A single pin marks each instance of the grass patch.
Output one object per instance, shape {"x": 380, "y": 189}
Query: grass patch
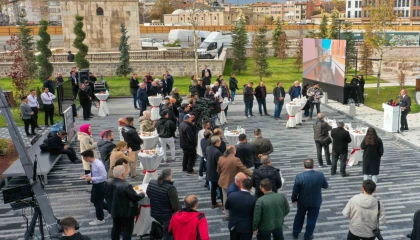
{"x": 385, "y": 94}
{"x": 368, "y": 79}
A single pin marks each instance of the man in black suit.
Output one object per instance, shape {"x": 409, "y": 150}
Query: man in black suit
{"x": 308, "y": 197}
{"x": 204, "y": 71}
{"x": 405, "y": 104}
{"x": 56, "y": 146}
{"x": 341, "y": 139}
{"x": 75, "y": 82}
{"x": 85, "y": 101}
{"x": 241, "y": 210}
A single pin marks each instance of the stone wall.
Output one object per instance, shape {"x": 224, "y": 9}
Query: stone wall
{"x": 178, "y": 67}
{"x": 102, "y": 31}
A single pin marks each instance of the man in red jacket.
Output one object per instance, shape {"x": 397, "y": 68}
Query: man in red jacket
{"x": 189, "y": 224}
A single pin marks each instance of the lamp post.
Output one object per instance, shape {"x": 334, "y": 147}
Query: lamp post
{"x": 339, "y": 27}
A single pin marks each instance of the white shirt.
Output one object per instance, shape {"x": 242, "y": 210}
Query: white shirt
{"x": 47, "y": 98}
{"x": 33, "y": 102}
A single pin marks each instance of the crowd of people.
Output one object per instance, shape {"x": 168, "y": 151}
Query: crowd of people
{"x": 241, "y": 178}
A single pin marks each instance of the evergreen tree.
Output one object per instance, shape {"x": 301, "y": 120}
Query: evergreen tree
{"x": 239, "y": 41}
{"x": 260, "y": 52}
{"x": 123, "y": 67}
{"x": 323, "y": 27}
{"x": 283, "y": 45}
{"x": 311, "y": 34}
{"x": 350, "y": 45}
{"x": 80, "y": 57}
{"x": 333, "y": 31}
{"x": 299, "y": 55}
{"x": 27, "y": 43}
{"x": 278, "y": 31}
{"x": 45, "y": 67}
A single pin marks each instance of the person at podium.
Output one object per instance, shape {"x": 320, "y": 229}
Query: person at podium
{"x": 405, "y": 103}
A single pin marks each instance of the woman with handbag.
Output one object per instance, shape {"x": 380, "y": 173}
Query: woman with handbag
{"x": 373, "y": 151}
{"x": 365, "y": 212}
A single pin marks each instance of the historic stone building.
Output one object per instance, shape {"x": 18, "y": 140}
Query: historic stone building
{"x": 102, "y": 23}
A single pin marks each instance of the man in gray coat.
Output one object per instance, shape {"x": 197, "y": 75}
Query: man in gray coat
{"x": 27, "y": 113}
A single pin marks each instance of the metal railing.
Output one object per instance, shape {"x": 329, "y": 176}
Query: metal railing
{"x": 115, "y": 56}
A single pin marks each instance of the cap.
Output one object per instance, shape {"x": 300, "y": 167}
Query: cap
{"x": 186, "y": 116}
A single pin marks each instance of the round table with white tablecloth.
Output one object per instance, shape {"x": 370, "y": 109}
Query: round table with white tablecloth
{"x": 299, "y": 115}
{"x": 143, "y": 221}
{"x": 232, "y": 137}
{"x": 155, "y": 102}
{"x": 149, "y": 142}
{"x": 355, "y": 154}
{"x": 150, "y": 162}
{"x": 103, "y": 106}
{"x": 222, "y": 116}
{"x": 292, "y": 109}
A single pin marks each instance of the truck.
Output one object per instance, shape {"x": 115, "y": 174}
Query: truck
{"x": 210, "y": 47}
{"x": 186, "y": 36}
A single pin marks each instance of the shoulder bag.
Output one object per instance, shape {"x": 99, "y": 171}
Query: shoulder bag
{"x": 377, "y": 231}
{"x": 326, "y": 140}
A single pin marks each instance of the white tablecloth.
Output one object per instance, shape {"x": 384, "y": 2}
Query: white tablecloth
{"x": 143, "y": 222}
{"x": 103, "y": 106}
{"x": 299, "y": 115}
{"x": 155, "y": 103}
{"x": 292, "y": 110}
{"x": 221, "y": 116}
{"x": 356, "y": 154}
{"x": 150, "y": 164}
{"x": 149, "y": 142}
{"x": 232, "y": 138}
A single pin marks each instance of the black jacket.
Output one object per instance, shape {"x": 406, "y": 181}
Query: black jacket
{"x": 405, "y": 102}
{"x": 84, "y": 97}
{"x": 153, "y": 91}
{"x": 55, "y": 144}
{"x": 215, "y": 89}
{"x": 259, "y": 93}
{"x": 201, "y": 90}
{"x": 246, "y": 152}
{"x": 341, "y": 139}
{"x": 187, "y": 135}
{"x": 248, "y": 94}
{"x": 372, "y": 155}
{"x": 241, "y": 211}
{"x": 263, "y": 172}
{"x": 166, "y": 128}
{"x": 321, "y": 129}
{"x": 203, "y": 73}
{"x": 50, "y": 85}
{"x": 171, "y": 113}
{"x": 134, "y": 85}
{"x": 277, "y": 93}
{"x": 212, "y": 156}
{"x": 206, "y": 81}
{"x": 160, "y": 199}
{"x": 225, "y": 93}
{"x": 105, "y": 149}
{"x": 131, "y": 137}
{"x": 89, "y": 91}
{"x": 233, "y": 84}
{"x": 76, "y": 236}
{"x": 123, "y": 198}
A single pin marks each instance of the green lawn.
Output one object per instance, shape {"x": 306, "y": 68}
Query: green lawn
{"x": 385, "y": 94}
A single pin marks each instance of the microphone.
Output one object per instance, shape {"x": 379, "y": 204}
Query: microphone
{"x": 397, "y": 97}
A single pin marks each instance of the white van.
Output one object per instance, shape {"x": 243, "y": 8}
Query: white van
{"x": 186, "y": 36}
{"x": 210, "y": 47}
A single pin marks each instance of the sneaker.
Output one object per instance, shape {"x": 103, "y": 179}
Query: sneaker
{"x": 108, "y": 216}
{"x": 245, "y": 117}
{"x": 200, "y": 178}
{"x": 233, "y": 103}
{"x": 322, "y": 166}
{"x": 96, "y": 222}
{"x": 216, "y": 206}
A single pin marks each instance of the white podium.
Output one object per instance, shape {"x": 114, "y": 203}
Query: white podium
{"x": 391, "y": 115}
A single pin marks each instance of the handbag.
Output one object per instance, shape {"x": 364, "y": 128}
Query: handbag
{"x": 326, "y": 141}
{"x": 377, "y": 231}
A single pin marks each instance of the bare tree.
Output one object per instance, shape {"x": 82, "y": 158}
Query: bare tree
{"x": 193, "y": 20}
{"x": 403, "y": 69}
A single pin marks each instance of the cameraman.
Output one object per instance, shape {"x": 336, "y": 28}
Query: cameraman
{"x": 69, "y": 227}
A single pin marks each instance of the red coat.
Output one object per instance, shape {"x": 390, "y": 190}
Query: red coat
{"x": 189, "y": 225}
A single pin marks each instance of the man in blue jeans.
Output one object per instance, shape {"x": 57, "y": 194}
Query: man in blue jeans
{"x": 248, "y": 99}
{"x": 308, "y": 197}
{"x": 278, "y": 94}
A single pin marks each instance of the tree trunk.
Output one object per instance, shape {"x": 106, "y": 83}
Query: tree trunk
{"x": 379, "y": 72}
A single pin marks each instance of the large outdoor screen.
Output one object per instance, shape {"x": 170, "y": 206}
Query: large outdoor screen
{"x": 324, "y": 60}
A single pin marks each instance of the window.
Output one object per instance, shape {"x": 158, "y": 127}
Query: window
{"x": 406, "y": 13}
{"x": 414, "y": 3}
{"x": 364, "y": 14}
{"x": 348, "y": 14}
{"x": 349, "y": 4}
{"x": 202, "y": 18}
{"x": 357, "y": 3}
{"x": 414, "y": 13}
{"x": 181, "y": 18}
{"x": 215, "y": 18}
{"x": 399, "y": 3}
{"x": 360, "y": 4}
{"x": 228, "y": 18}
{"x": 355, "y": 13}
{"x": 360, "y": 14}
{"x": 99, "y": 11}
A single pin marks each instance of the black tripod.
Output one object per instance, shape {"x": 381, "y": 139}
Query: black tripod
{"x": 37, "y": 215}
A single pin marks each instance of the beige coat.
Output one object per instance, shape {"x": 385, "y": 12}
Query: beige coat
{"x": 228, "y": 167}
{"x": 87, "y": 143}
{"x": 146, "y": 125}
{"x": 115, "y": 155}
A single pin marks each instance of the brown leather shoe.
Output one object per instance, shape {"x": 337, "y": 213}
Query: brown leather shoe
{"x": 216, "y": 206}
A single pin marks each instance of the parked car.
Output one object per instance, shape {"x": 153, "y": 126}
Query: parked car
{"x": 151, "y": 42}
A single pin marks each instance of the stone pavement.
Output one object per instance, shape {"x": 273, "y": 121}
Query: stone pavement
{"x": 398, "y": 184}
